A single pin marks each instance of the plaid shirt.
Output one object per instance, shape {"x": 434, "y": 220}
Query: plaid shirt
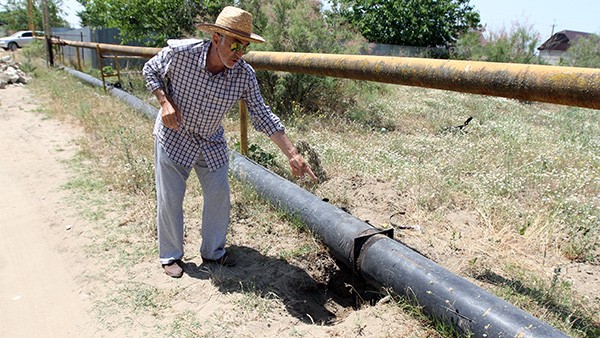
{"x": 203, "y": 99}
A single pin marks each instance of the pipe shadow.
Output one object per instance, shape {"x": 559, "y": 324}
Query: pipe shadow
{"x": 310, "y": 301}
{"x": 578, "y": 321}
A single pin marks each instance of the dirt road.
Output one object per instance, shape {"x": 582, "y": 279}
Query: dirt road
{"x": 39, "y": 295}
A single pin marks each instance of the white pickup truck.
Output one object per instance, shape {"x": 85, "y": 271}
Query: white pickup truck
{"x": 18, "y": 40}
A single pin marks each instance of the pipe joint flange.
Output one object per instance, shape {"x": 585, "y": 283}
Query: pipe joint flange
{"x": 361, "y": 239}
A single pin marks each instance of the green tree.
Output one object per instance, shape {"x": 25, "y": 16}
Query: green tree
{"x": 421, "y": 23}
{"x": 152, "y": 21}
{"x": 300, "y": 26}
{"x": 518, "y": 45}
{"x": 585, "y": 52}
{"x": 14, "y": 15}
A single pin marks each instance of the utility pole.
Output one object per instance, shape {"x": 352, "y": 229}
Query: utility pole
{"x": 30, "y": 15}
{"x": 47, "y": 34}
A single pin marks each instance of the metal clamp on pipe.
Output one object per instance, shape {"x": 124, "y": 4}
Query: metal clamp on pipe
{"x": 360, "y": 241}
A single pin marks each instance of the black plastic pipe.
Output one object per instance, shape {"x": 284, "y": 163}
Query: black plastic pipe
{"x": 336, "y": 228}
{"x": 378, "y": 258}
{"x": 445, "y": 296}
{"x": 124, "y": 96}
{"x": 386, "y": 262}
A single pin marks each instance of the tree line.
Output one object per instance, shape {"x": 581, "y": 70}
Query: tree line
{"x": 15, "y": 17}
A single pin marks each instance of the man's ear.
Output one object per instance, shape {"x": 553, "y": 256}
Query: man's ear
{"x": 216, "y": 38}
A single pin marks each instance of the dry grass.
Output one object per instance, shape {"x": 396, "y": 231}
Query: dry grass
{"x": 514, "y": 194}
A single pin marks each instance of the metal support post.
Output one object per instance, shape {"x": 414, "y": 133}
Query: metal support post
{"x": 243, "y": 128}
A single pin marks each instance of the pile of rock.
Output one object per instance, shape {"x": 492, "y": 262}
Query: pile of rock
{"x": 11, "y": 73}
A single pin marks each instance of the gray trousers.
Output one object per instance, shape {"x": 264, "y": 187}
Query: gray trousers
{"x": 170, "y": 189}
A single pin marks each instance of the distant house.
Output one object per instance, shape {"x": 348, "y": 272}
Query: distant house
{"x": 554, "y": 48}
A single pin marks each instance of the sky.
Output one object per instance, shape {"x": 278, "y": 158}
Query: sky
{"x": 576, "y": 15}
{"x": 70, "y": 9}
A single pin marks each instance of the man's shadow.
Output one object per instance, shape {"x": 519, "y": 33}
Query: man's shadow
{"x": 310, "y": 301}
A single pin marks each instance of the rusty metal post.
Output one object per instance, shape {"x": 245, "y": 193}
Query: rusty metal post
{"x": 100, "y": 65}
{"x": 61, "y": 50}
{"x": 49, "y": 52}
{"x": 78, "y": 59}
{"x": 118, "y": 68}
{"x": 83, "y": 55}
{"x": 243, "y": 128}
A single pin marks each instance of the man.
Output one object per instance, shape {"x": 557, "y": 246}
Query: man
{"x": 196, "y": 83}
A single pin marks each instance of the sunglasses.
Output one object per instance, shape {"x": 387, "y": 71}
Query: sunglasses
{"x": 238, "y": 47}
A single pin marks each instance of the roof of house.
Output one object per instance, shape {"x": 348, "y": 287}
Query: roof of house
{"x": 562, "y": 40}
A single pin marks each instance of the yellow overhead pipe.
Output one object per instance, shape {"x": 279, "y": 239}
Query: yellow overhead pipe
{"x": 561, "y": 85}
{"x": 146, "y": 52}
{"x": 570, "y": 86}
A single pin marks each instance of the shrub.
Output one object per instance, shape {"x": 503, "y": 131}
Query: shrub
{"x": 300, "y": 26}
{"x": 515, "y": 46}
{"x": 584, "y": 52}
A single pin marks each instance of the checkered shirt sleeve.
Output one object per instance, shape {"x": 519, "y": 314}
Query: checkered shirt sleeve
{"x": 155, "y": 71}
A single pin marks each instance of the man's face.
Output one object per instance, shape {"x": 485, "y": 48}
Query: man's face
{"x": 228, "y": 56}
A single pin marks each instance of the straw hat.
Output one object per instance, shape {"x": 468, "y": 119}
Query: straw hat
{"x": 234, "y": 22}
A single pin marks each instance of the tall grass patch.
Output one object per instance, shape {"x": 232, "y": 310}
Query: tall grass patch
{"x": 115, "y": 160}
{"x": 529, "y": 167}
{"x": 119, "y": 138}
